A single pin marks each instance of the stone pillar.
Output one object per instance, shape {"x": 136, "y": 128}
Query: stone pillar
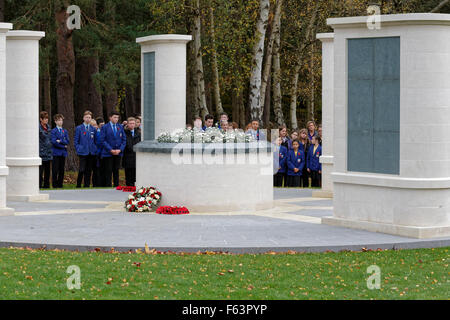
{"x": 327, "y": 114}
{"x": 22, "y": 118}
{"x": 163, "y": 66}
{"x": 4, "y": 27}
{"x": 392, "y": 125}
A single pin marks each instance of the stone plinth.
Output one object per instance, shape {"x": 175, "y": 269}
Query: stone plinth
{"x": 208, "y": 177}
{"x": 327, "y": 115}
{"x": 163, "y": 63}
{"x": 22, "y": 118}
{"x": 414, "y": 198}
{"x": 4, "y": 28}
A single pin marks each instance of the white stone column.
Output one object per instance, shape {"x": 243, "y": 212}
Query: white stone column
{"x": 327, "y": 114}
{"x": 22, "y": 118}
{"x": 164, "y": 97}
{"x": 416, "y": 201}
{"x": 4, "y": 28}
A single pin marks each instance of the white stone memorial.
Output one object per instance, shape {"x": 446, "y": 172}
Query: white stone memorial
{"x": 392, "y": 125}
{"x": 22, "y": 117}
{"x": 163, "y": 65}
{"x": 4, "y": 28}
{"x": 203, "y": 177}
{"x": 326, "y": 159}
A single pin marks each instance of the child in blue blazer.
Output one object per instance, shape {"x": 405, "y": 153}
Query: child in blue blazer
{"x": 113, "y": 141}
{"x": 313, "y": 162}
{"x": 86, "y": 148}
{"x": 295, "y": 164}
{"x": 282, "y": 154}
{"x": 60, "y": 141}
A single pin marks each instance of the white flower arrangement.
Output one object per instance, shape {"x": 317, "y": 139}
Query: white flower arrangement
{"x": 210, "y": 135}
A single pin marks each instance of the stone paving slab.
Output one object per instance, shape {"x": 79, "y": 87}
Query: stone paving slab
{"x": 98, "y": 225}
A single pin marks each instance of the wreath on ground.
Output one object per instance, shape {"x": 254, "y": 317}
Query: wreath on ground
{"x": 143, "y": 200}
{"x": 148, "y": 199}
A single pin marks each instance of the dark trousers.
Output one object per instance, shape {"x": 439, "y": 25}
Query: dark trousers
{"x": 85, "y": 171}
{"x": 294, "y": 181}
{"x": 59, "y": 164}
{"x": 316, "y": 179}
{"x": 278, "y": 179}
{"x": 96, "y": 176}
{"x": 44, "y": 174}
{"x": 130, "y": 176}
{"x": 111, "y": 166}
{"x": 304, "y": 181}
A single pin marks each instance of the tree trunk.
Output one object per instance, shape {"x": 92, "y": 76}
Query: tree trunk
{"x": 111, "y": 99}
{"x": 130, "y": 103}
{"x": 276, "y": 79}
{"x": 235, "y": 107}
{"x": 258, "y": 55}
{"x": 200, "y": 80}
{"x": 2, "y": 10}
{"x": 268, "y": 60}
{"x": 216, "y": 84}
{"x": 267, "y": 104}
{"x": 242, "y": 111}
{"x": 311, "y": 110}
{"x": 65, "y": 80}
{"x": 293, "y": 105}
{"x": 45, "y": 92}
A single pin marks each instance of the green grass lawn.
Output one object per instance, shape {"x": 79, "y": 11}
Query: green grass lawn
{"x": 405, "y": 274}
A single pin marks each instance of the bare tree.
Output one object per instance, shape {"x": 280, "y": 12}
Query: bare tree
{"x": 217, "y": 100}
{"x": 269, "y": 52}
{"x": 199, "y": 75}
{"x": 258, "y": 54}
{"x": 276, "y": 79}
{"x": 65, "y": 80}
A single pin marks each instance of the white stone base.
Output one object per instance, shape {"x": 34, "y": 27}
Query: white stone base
{"x": 405, "y": 231}
{"x": 204, "y": 186}
{"x": 31, "y": 198}
{"x": 6, "y": 212}
{"x": 322, "y": 194}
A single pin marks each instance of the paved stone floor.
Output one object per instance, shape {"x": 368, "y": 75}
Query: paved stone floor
{"x": 88, "y": 219}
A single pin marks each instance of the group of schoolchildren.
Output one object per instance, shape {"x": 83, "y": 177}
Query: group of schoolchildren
{"x": 101, "y": 148}
{"x": 299, "y": 157}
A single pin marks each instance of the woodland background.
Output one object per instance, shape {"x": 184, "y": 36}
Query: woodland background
{"x": 249, "y": 58}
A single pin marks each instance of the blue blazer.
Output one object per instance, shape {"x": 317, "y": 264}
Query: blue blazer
{"x": 109, "y": 141}
{"x": 59, "y": 148}
{"x": 283, "y": 157}
{"x": 296, "y": 161}
{"x": 98, "y": 142}
{"x": 85, "y": 141}
{"x": 312, "y": 160}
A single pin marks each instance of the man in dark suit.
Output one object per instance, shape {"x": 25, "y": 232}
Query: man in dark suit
{"x": 133, "y": 135}
{"x": 113, "y": 142}
{"x": 85, "y": 139}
